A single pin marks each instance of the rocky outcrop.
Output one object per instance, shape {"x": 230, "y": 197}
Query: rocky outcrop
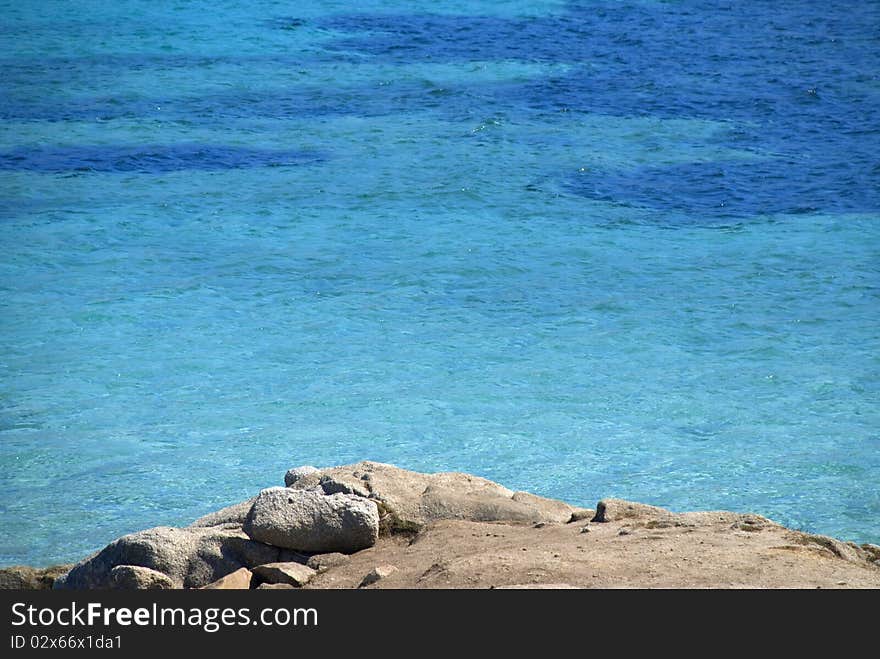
{"x": 408, "y": 500}
{"x": 23, "y": 577}
{"x": 453, "y": 530}
{"x": 614, "y": 510}
{"x": 848, "y": 551}
{"x": 190, "y": 557}
{"x": 311, "y": 521}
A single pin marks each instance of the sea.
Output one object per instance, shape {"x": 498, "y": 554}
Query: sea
{"x": 584, "y": 248}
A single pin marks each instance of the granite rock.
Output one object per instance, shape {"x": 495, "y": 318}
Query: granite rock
{"x": 190, "y": 557}
{"x": 313, "y": 522}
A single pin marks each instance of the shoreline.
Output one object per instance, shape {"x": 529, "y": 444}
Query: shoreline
{"x": 373, "y": 525}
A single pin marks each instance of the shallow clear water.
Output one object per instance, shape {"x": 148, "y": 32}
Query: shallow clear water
{"x": 586, "y": 249}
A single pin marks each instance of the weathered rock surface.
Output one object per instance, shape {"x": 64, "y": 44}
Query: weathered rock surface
{"x": 707, "y": 551}
{"x": 191, "y": 557}
{"x": 23, "y": 577}
{"x": 614, "y": 510}
{"x": 313, "y": 522}
{"x": 295, "y": 574}
{"x": 459, "y": 531}
{"x": 377, "y": 573}
{"x": 408, "y": 500}
{"x": 135, "y": 577}
{"x": 848, "y": 551}
{"x": 299, "y": 473}
{"x": 238, "y": 580}
{"x": 323, "y": 562}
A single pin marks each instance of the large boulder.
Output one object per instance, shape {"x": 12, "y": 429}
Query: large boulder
{"x": 408, "y": 500}
{"x": 190, "y": 557}
{"x": 310, "y": 521}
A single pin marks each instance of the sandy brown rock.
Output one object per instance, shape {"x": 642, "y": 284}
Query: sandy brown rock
{"x": 408, "y": 500}
{"x": 295, "y": 574}
{"x": 694, "y": 550}
{"x": 614, "y": 510}
{"x": 23, "y": 577}
{"x": 238, "y": 580}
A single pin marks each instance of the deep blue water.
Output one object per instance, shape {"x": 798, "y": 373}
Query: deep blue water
{"x": 586, "y": 249}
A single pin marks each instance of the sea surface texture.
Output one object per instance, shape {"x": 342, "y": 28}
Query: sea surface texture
{"x": 585, "y": 249}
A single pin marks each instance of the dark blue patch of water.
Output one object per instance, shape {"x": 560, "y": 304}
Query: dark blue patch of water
{"x": 796, "y": 81}
{"x": 151, "y": 159}
{"x": 727, "y": 190}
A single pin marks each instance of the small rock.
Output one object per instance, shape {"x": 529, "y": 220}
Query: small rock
{"x": 376, "y": 574}
{"x": 295, "y": 474}
{"x": 295, "y": 574}
{"x": 586, "y": 529}
{"x": 323, "y": 562}
{"x": 135, "y": 577}
{"x": 275, "y": 586}
{"x": 238, "y": 580}
{"x": 539, "y": 525}
{"x": 624, "y": 531}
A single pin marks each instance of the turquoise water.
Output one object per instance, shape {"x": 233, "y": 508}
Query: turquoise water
{"x": 585, "y": 249}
